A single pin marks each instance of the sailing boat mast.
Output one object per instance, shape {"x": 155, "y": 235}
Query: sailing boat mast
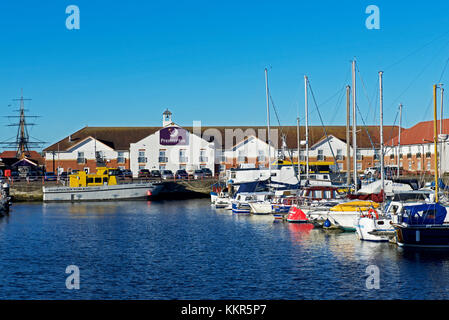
{"x": 441, "y": 128}
{"x": 348, "y": 146}
{"x": 307, "y": 126}
{"x": 382, "y": 173}
{"x": 399, "y": 137}
{"x": 354, "y": 127}
{"x": 297, "y": 136}
{"x": 435, "y": 139}
{"x": 268, "y": 122}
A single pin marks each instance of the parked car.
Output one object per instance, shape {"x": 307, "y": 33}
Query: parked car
{"x": 15, "y": 176}
{"x": 198, "y": 174}
{"x": 126, "y": 173}
{"x": 155, "y": 174}
{"x": 64, "y": 176}
{"x": 207, "y": 172}
{"x": 144, "y": 173}
{"x": 370, "y": 171}
{"x": 166, "y": 174}
{"x": 181, "y": 174}
{"x": 50, "y": 176}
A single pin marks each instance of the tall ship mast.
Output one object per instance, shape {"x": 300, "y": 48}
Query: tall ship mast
{"x": 22, "y": 143}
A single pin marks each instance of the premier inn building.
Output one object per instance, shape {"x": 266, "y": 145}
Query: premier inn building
{"x": 173, "y": 147}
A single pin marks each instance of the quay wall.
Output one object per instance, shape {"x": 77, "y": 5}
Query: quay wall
{"x": 180, "y": 189}
{"x": 32, "y": 191}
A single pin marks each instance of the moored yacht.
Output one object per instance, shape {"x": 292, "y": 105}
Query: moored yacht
{"x": 344, "y": 214}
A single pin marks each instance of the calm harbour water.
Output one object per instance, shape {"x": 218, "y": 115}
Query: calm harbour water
{"x": 188, "y": 250}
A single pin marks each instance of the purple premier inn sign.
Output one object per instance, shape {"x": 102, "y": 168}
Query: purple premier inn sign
{"x": 172, "y": 136}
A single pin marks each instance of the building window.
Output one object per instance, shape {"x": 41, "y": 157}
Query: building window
{"x": 162, "y": 156}
{"x": 302, "y": 156}
{"x": 410, "y": 166}
{"x": 400, "y": 164}
{"x": 141, "y": 167}
{"x": 340, "y": 166}
{"x": 202, "y": 166}
{"x": 359, "y": 155}
{"x": 80, "y": 158}
{"x": 359, "y": 166}
{"x": 182, "y": 166}
{"x": 141, "y": 158}
{"x": 161, "y": 167}
{"x": 339, "y": 154}
{"x": 419, "y": 165}
{"x": 203, "y": 157}
{"x": 428, "y": 165}
{"x": 182, "y": 156}
{"x": 120, "y": 157}
{"x": 320, "y": 155}
{"x": 99, "y": 155}
{"x": 376, "y": 155}
{"x": 241, "y": 157}
{"x": 260, "y": 156}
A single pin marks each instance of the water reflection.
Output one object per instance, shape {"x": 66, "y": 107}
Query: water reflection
{"x": 300, "y": 231}
{"x": 189, "y": 250}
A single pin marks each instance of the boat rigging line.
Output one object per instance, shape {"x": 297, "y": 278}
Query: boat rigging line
{"x": 324, "y": 128}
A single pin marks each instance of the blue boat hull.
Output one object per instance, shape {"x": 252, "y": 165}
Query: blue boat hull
{"x": 432, "y": 236}
{"x": 280, "y": 208}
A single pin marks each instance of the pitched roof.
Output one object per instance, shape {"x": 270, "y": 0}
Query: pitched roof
{"x": 119, "y": 138}
{"x": 32, "y": 155}
{"x": 420, "y": 133}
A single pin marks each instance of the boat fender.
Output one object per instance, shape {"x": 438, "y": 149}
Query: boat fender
{"x": 327, "y": 223}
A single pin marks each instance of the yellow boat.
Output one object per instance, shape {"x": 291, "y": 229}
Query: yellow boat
{"x": 102, "y": 185}
{"x": 358, "y": 205}
{"x": 344, "y": 215}
{"x": 104, "y": 176}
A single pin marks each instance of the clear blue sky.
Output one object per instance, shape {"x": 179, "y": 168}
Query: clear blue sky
{"x": 205, "y": 61}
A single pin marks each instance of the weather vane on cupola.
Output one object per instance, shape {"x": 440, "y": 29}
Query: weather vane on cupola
{"x": 166, "y": 118}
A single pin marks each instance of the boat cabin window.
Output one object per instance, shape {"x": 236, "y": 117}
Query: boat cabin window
{"x": 105, "y": 180}
{"x": 393, "y": 209}
{"x": 328, "y": 194}
{"x": 97, "y": 179}
{"x": 90, "y": 180}
{"x": 318, "y": 194}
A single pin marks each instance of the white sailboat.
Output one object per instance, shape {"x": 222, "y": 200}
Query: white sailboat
{"x": 377, "y": 225}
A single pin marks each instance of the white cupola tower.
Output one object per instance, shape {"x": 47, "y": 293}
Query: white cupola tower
{"x": 166, "y": 118}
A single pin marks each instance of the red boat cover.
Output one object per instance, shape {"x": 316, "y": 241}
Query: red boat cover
{"x": 376, "y": 197}
{"x": 296, "y": 214}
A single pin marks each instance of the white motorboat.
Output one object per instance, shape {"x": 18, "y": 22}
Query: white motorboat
{"x": 374, "y": 227}
{"x": 344, "y": 214}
